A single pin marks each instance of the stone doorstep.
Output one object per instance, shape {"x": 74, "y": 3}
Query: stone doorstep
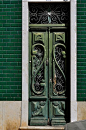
{"x": 42, "y": 128}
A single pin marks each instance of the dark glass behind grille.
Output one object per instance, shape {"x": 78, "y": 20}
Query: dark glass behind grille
{"x": 49, "y": 13}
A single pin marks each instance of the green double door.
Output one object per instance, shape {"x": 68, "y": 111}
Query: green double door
{"x": 49, "y": 76}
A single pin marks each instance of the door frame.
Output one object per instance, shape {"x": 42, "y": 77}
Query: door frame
{"x": 25, "y": 62}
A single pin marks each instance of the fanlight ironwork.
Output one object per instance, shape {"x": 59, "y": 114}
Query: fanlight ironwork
{"x": 48, "y": 13}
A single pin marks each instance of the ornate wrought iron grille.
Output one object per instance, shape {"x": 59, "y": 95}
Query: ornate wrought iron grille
{"x": 59, "y": 77}
{"x": 49, "y": 13}
{"x": 38, "y": 68}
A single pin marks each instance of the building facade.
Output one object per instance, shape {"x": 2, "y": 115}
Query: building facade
{"x": 15, "y": 32}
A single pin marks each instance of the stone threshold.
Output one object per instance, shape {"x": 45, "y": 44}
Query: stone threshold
{"x": 42, "y": 128}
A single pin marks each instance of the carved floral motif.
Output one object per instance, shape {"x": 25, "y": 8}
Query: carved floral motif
{"x": 58, "y": 107}
{"x": 38, "y": 108}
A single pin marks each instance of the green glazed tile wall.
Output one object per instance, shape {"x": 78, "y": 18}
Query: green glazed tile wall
{"x": 81, "y": 50}
{"x": 10, "y": 50}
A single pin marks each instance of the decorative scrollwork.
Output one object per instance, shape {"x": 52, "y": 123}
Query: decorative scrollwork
{"x": 59, "y": 107}
{"x": 49, "y": 13}
{"x": 59, "y": 74}
{"x": 38, "y": 108}
{"x": 38, "y": 55}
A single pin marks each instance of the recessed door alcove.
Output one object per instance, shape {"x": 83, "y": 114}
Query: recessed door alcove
{"x": 49, "y": 63}
{"x": 26, "y": 28}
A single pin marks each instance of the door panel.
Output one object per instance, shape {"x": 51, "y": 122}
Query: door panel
{"x": 57, "y": 114}
{"x": 57, "y": 77}
{"x": 39, "y": 68}
{"x": 58, "y": 64}
{"x": 48, "y": 88}
{"x": 38, "y": 113}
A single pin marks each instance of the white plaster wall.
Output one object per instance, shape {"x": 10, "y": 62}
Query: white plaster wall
{"x": 1, "y": 117}
{"x": 10, "y": 115}
{"x": 73, "y": 61}
{"x": 81, "y": 111}
{"x": 24, "y": 119}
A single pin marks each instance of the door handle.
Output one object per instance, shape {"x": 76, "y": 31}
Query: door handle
{"x": 47, "y": 62}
